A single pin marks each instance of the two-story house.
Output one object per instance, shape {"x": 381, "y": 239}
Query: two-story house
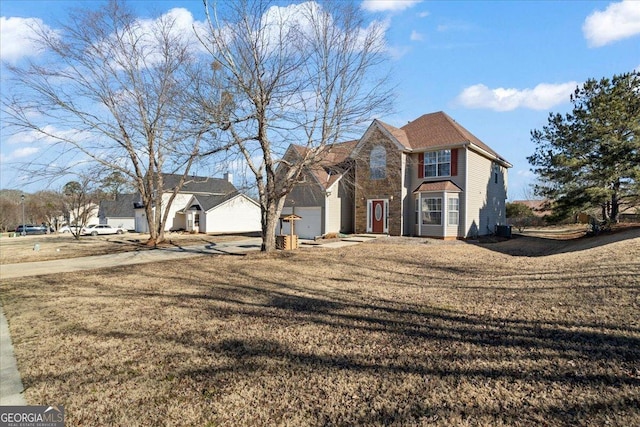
{"x": 431, "y": 177}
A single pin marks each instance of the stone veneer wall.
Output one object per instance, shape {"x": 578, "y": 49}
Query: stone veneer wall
{"x": 388, "y": 188}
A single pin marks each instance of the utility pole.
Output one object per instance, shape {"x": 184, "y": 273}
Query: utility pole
{"x": 24, "y": 231}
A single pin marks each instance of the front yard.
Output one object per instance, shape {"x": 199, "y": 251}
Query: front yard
{"x": 383, "y": 333}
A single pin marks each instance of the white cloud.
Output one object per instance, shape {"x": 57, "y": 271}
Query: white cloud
{"x": 541, "y": 97}
{"x": 388, "y": 5}
{"x": 302, "y": 18}
{"x": 424, "y": 14}
{"x": 397, "y": 52}
{"x": 17, "y": 38}
{"x": 416, "y": 36}
{"x": 24, "y": 152}
{"x": 618, "y": 21}
{"x": 454, "y": 26}
{"x": 19, "y": 153}
{"x": 526, "y": 173}
{"x": 148, "y": 33}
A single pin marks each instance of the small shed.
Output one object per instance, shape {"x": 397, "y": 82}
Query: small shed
{"x": 284, "y": 241}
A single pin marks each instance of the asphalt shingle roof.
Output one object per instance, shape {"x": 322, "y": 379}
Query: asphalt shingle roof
{"x": 209, "y": 202}
{"x": 329, "y": 169}
{"x": 437, "y": 186}
{"x": 434, "y": 130}
{"x": 121, "y": 207}
{"x": 199, "y": 184}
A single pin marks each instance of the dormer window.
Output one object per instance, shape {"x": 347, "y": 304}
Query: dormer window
{"x": 378, "y": 162}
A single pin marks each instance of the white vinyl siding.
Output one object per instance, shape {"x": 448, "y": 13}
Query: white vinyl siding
{"x": 485, "y": 200}
{"x": 175, "y": 222}
{"x": 237, "y": 215}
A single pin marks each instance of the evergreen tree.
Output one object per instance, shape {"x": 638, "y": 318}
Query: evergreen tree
{"x": 591, "y": 156}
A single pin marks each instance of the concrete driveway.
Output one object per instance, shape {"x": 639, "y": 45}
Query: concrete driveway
{"x": 239, "y": 247}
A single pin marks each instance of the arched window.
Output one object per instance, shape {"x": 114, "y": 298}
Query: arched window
{"x": 378, "y": 163}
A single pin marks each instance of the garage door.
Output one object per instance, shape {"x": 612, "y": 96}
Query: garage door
{"x": 309, "y": 226}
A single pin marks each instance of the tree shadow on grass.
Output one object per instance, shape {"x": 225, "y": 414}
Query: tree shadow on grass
{"x": 530, "y": 246}
{"x": 457, "y": 353}
{"x": 379, "y": 345}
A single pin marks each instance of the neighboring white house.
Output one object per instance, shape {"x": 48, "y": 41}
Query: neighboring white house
{"x": 233, "y": 213}
{"x": 206, "y": 205}
{"x": 91, "y": 211}
{"x": 119, "y": 212}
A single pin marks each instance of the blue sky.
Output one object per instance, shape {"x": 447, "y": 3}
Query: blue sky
{"x": 498, "y": 68}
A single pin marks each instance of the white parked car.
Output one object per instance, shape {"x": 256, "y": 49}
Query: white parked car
{"x": 98, "y": 229}
{"x": 69, "y": 229}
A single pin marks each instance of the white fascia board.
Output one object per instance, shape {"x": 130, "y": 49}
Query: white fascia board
{"x": 489, "y": 155}
{"x": 244, "y": 196}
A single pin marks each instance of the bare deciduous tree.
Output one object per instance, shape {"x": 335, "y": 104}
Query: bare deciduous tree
{"x": 49, "y": 208}
{"x": 10, "y": 209}
{"x": 79, "y": 205}
{"x": 309, "y": 74}
{"x": 118, "y": 92}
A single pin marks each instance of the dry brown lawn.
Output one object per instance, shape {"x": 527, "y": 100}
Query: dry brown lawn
{"x": 531, "y": 331}
{"x": 64, "y": 246}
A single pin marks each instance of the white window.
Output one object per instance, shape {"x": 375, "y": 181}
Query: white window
{"x": 432, "y": 211}
{"x": 417, "y": 210}
{"x": 437, "y": 163}
{"x": 378, "y": 163}
{"x": 453, "y": 210}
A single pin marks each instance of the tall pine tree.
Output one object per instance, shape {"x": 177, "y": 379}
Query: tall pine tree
{"x": 591, "y": 157}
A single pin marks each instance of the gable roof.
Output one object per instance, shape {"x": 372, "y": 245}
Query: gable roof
{"x": 121, "y": 207}
{"x": 331, "y": 166}
{"x": 199, "y": 184}
{"x": 399, "y": 134}
{"x": 208, "y": 202}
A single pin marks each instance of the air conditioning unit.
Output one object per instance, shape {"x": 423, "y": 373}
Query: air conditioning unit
{"x": 503, "y": 231}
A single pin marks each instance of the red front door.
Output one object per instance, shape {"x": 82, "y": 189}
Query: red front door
{"x": 377, "y": 216}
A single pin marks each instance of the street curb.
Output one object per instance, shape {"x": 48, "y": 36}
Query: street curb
{"x": 11, "y": 387}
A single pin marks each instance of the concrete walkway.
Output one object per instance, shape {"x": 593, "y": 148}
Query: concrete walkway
{"x": 10, "y": 382}
{"x": 238, "y": 247}
{"x": 341, "y": 243}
